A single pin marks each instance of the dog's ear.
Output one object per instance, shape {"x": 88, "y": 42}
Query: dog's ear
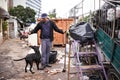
{"x": 31, "y": 46}
{"x": 38, "y": 45}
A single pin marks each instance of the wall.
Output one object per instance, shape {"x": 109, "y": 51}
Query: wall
{"x": 13, "y": 26}
{"x": 64, "y": 24}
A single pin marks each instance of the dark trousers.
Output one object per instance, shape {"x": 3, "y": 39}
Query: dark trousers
{"x": 45, "y": 48}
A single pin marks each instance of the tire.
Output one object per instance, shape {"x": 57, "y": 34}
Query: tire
{"x": 113, "y": 75}
{"x": 97, "y": 76}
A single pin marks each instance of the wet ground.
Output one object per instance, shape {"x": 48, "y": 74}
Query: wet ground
{"x": 12, "y": 70}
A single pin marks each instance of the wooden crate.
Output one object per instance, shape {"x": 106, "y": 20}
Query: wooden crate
{"x": 59, "y": 39}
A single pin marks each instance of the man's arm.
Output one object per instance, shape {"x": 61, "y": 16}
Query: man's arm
{"x": 56, "y": 28}
{"x": 35, "y": 30}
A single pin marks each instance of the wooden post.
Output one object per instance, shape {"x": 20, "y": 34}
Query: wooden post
{"x": 69, "y": 60}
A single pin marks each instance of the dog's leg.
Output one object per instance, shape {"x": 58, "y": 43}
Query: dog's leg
{"x": 37, "y": 64}
{"x": 26, "y": 66}
{"x": 31, "y": 65}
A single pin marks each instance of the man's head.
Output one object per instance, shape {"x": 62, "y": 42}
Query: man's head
{"x": 44, "y": 17}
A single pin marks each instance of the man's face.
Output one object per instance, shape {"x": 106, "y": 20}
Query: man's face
{"x": 38, "y": 20}
{"x": 44, "y": 19}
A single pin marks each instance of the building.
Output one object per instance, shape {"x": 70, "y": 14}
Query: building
{"x": 4, "y": 15}
{"x": 13, "y": 23}
{"x": 33, "y": 4}
{"x": 36, "y": 5}
{"x": 10, "y": 3}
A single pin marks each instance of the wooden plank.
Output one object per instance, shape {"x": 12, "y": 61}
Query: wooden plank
{"x": 87, "y": 67}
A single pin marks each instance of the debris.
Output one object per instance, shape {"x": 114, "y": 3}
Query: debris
{"x": 24, "y": 45}
{"x": 2, "y": 78}
{"x": 23, "y": 42}
{"x": 71, "y": 76}
{"x": 18, "y": 40}
{"x": 41, "y": 72}
{"x": 62, "y": 60}
{"x": 54, "y": 71}
{"x": 85, "y": 78}
{"x": 59, "y": 79}
{"x": 46, "y": 70}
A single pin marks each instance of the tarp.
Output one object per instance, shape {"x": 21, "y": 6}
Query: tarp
{"x": 82, "y": 32}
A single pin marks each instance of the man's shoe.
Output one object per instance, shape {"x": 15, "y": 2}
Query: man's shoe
{"x": 48, "y": 66}
{"x": 42, "y": 68}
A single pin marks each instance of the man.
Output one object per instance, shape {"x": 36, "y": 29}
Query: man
{"x": 46, "y": 26}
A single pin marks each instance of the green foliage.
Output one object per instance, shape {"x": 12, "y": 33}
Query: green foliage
{"x": 25, "y": 14}
{"x": 86, "y": 18}
{"x": 52, "y": 14}
{"x": 4, "y": 25}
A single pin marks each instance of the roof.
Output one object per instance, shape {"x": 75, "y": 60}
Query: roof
{"x": 4, "y": 14}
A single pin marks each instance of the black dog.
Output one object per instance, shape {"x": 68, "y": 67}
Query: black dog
{"x": 30, "y": 58}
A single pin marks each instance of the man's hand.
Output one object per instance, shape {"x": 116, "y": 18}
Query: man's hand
{"x": 64, "y": 32}
{"x": 29, "y": 33}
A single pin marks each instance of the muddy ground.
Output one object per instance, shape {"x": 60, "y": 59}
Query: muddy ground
{"x": 12, "y": 70}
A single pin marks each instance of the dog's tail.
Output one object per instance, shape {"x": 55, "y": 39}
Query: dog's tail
{"x": 18, "y": 59}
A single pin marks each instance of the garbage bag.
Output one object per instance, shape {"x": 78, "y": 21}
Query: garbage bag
{"x": 52, "y": 57}
{"x": 82, "y": 32}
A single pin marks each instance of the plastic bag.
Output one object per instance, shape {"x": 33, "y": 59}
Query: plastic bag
{"x": 82, "y": 32}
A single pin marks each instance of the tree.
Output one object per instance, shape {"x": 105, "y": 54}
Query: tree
{"x": 86, "y": 18}
{"x": 52, "y": 14}
{"x": 24, "y": 14}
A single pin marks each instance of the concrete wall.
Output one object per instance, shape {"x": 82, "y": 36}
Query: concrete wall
{"x": 13, "y": 27}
